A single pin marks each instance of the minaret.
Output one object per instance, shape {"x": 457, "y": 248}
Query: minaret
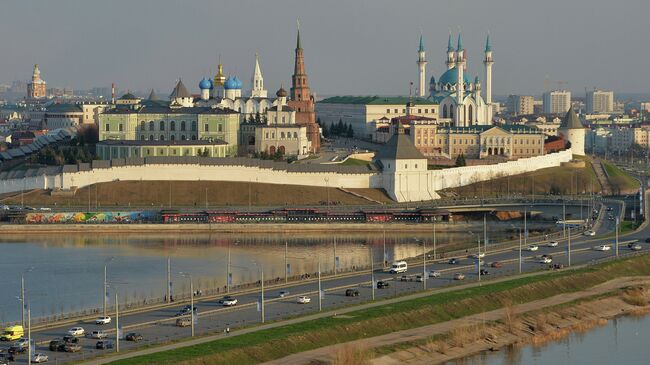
{"x": 488, "y": 62}
{"x": 422, "y": 64}
{"x": 460, "y": 84}
{"x": 257, "y": 81}
{"x": 451, "y": 55}
{"x": 301, "y": 99}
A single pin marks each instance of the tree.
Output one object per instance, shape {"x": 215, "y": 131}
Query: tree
{"x": 350, "y": 132}
{"x": 460, "y": 160}
{"x": 340, "y": 127}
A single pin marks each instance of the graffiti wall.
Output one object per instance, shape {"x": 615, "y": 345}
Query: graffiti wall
{"x": 93, "y": 217}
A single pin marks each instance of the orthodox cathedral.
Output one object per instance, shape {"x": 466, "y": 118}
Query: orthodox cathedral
{"x": 459, "y": 99}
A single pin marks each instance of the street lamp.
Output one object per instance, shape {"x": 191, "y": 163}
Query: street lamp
{"x": 105, "y": 283}
{"x": 192, "y": 314}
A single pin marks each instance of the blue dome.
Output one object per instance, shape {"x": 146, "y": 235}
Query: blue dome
{"x": 432, "y": 81}
{"x": 239, "y": 83}
{"x": 206, "y": 84}
{"x": 451, "y": 76}
{"x": 232, "y": 83}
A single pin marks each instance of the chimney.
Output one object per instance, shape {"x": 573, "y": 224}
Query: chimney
{"x": 113, "y": 93}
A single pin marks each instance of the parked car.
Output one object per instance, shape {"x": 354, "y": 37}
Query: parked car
{"x": 452, "y": 261}
{"x": 552, "y": 244}
{"x": 76, "y": 331}
{"x": 97, "y": 334}
{"x": 351, "y": 293}
{"x": 382, "y": 284}
{"x": 647, "y": 240}
{"x": 104, "y": 344}
{"x": 303, "y": 299}
{"x": 183, "y": 322}
{"x": 434, "y": 274}
{"x": 532, "y": 248}
{"x": 459, "y": 276}
{"x": 39, "y": 358}
{"x": 72, "y": 347}
{"x": 103, "y": 320}
{"x": 133, "y": 336}
{"x": 602, "y": 248}
{"x": 496, "y": 265}
{"x": 283, "y": 294}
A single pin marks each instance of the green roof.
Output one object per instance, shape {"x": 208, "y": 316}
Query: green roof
{"x": 376, "y": 100}
{"x": 64, "y": 108}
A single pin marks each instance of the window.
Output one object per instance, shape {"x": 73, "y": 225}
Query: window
{"x": 295, "y": 134}
{"x": 142, "y": 137}
{"x": 162, "y": 125}
{"x": 151, "y": 125}
{"x": 121, "y": 127}
{"x": 193, "y": 126}
{"x": 387, "y": 111}
{"x": 172, "y": 137}
{"x": 194, "y": 137}
{"x": 151, "y": 137}
{"x": 183, "y": 125}
{"x": 419, "y": 111}
{"x": 220, "y": 127}
{"x": 162, "y": 138}
{"x": 207, "y": 128}
{"x": 396, "y": 111}
{"x": 172, "y": 126}
{"x": 182, "y": 137}
{"x": 108, "y": 127}
{"x": 282, "y": 135}
{"x": 142, "y": 125}
{"x": 282, "y": 120}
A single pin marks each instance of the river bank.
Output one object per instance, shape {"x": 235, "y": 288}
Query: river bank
{"x": 247, "y": 228}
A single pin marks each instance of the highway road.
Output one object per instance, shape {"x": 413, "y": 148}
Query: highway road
{"x": 158, "y": 326}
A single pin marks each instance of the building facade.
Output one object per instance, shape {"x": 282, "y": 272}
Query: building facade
{"x": 557, "y": 101}
{"x": 521, "y": 104}
{"x": 37, "y": 88}
{"x": 112, "y": 149}
{"x": 600, "y": 102}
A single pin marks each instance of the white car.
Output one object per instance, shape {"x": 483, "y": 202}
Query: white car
{"x": 532, "y": 248}
{"x": 22, "y": 343}
{"x": 98, "y": 335}
{"x": 434, "y": 274}
{"x": 229, "y": 302}
{"x": 553, "y": 244}
{"x": 103, "y": 320}
{"x": 39, "y": 358}
{"x": 589, "y": 233}
{"x": 479, "y": 256}
{"x": 602, "y": 248}
{"x": 283, "y": 294}
{"x": 76, "y": 331}
{"x": 545, "y": 260}
{"x": 303, "y": 299}
{"x": 419, "y": 278}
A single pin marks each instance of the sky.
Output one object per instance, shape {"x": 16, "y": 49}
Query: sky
{"x": 352, "y": 47}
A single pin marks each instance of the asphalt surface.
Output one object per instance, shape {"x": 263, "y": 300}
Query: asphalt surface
{"x": 158, "y": 326}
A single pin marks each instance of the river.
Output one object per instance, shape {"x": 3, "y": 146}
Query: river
{"x": 622, "y": 341}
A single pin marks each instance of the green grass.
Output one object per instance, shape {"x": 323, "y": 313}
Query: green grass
{"x": 620, "y": 180}
{"x": 354, "y": 162}
{"x": 266, "y": 345}
{"x": 628, "y": 226}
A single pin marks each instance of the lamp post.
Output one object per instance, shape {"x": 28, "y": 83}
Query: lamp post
{"x": 29, "y": 335}
{"x": 188, "y": 275}
{"x": 372, "y": 276}
{"x": 320, "y": 298}
{"x": 117, "y": 324}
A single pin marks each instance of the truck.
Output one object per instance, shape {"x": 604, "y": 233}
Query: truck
{"x": 12, "y": 333}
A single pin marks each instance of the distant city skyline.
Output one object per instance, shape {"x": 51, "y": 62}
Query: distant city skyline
{"x": 351, "y": 48}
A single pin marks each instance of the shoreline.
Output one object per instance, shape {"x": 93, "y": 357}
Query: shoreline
{"x": 238, "y": 227}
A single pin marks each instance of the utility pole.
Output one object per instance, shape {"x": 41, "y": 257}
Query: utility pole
{"x": 383, "y": 264}
{"x": 262, "y": 297}
{"x": 29, "y": 335}
{"x": 117, "y": 324}
{"x": 228, "y": 274}
{"x": 563, "y": 219}
{"x": 372, "y": 276}
{"x": 424, "y": 265}
{"x": 617, "y": 236}
{"x": 569, "y": 248}
{"x": 320, "y": 301}
{"x": 485, "y": 241}
{"x": 434, "y": 239}
{"x": 334, "y": 255}
{"x": 520, "y": 250}
{"x": 192, "y": 303}
{"x": 169, "y": 280}
{"x": 525, "y": 227}
{"x": 104, "y": 294}
{"x": 22, "y": 300}
{"x": 286, "y": 262}
{"x": 478, "y": 261}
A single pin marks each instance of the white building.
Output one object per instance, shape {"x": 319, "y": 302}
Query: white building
{"x": 521, "y": 104}
{"x": 557, "y": 101}
{"x": 573, "y": 132}
{"x": 599, "y": 101}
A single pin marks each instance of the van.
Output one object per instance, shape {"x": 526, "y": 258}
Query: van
{"x": 398, "y": 267}
{"x": 12, "y": 333}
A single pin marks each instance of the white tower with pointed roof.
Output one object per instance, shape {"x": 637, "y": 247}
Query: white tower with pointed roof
{"x": 422, "y": 64}
{"x": 257, "y": 81}
{"x": 460, "y": 84}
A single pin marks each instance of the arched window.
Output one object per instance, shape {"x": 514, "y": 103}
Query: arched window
{"x": 162, "y": 138}
{"x": 151, "y": 127}
{"x": 183, "y": 125}
{"x": 142, "y": 137}
{"x": 172, "y": 126}
{"x": 151, "y": 137}
{"x": 142, "y": 125}
{"x": 295, "y": 134}
{"x": 193, "y": 137}
{"x": 282, "y": 135}
{"x": 451, "y": 112}
{"x": 162, "y": 125}
{"x": 172, "y": 137}
{"x": 470, "y": 113}
{"x": 183, "y": 137}
{"x": 193, "y": 126}
{"x": 444, "y": 111}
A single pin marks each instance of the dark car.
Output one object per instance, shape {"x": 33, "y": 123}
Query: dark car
{"x": 104, "y": 344}
{"x": 56, "y": 343}
{"x": 72, "y": 347}
{"x": 647, "y": 240}
{"x": 496, "y": 265}
{"x": 17, "y": 350}
{"x": 484, "y": 272}
{"x": 382, "y": 284}
{"x": 452, "y": 261}
{"x": 70, "y": 339}
{"x": 133, "y": 336}
{"x": 185, "y": 311}
{"x": 351, "y": 293}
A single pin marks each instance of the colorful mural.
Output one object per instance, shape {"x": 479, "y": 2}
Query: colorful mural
{"x": 96, "y": 217}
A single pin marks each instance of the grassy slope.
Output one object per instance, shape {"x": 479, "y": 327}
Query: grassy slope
{"x": 190, "y": 194}
{"x": 556, "y": 179}
{"x": 275, "y": 343}
{"x": 619, "y": 179}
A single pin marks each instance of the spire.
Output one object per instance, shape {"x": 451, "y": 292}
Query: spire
{"x": 421, "y": 49}
{"x": 152, "y": 95}
{"x": 460, "y": 42}
{"x": 488, "y": 44}
{"x": 450, "y": 44}
{"x": 298, "y": 45}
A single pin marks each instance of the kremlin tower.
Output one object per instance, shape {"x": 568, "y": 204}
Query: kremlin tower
{"x": 302, "y": 101}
